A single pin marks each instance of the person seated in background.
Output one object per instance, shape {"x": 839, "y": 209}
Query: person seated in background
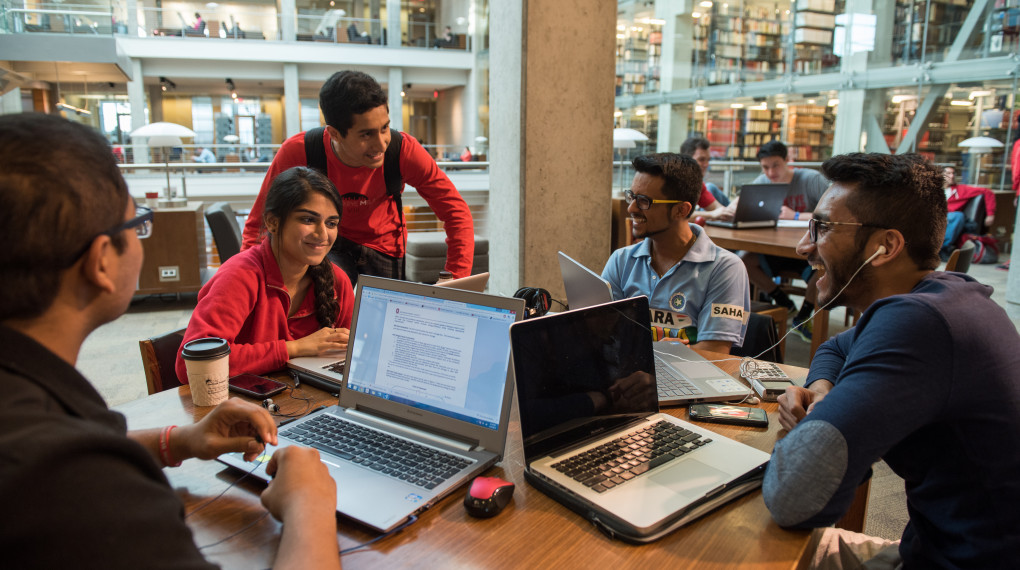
{"x": 284, "y": 298}
{"x": 446, "y": 40}
{"x": 806, "y": 187}
{"x": 697, "y": 291}
{"x": 711, "y": 198}
{"x": 199, "y": 24}
{"x": 926, "y": 381}
{"x": 204, "y": 155}
{"x": 957, "y": 196}
{"x": 70, "y": 263}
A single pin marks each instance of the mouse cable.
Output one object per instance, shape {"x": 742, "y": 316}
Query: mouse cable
{"x": 410, "y": 521}
{"x": 229, "y": 487}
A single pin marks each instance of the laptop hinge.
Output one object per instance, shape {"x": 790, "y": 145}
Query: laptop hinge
{"x": 376, "y": 417}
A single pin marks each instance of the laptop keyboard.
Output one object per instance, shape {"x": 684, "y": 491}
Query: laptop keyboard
{"x": 671, "y": 385}
{"x": 337, "y": 367}
{"x": 401, "y": 459}
{"x": 616, "y": 462}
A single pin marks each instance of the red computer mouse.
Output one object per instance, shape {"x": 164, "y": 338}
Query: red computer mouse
{"x": 487, "y": 496}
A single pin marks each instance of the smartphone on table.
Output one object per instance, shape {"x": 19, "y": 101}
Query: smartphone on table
{"x": 256, "y": 386}
{"x": 727, "y": 414}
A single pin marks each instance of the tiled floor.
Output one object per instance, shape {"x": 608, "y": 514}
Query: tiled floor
{"x": 111, "y": 360}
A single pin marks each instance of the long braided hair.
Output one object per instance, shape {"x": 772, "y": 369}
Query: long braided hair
{"x": 289, "y": 191}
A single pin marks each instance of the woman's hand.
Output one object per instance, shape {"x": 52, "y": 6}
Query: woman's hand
{"x": 322, "y": 341}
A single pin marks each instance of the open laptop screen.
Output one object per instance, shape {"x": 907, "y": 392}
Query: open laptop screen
{"x": 583, "y": 371}
{"x": 439, "y": 355}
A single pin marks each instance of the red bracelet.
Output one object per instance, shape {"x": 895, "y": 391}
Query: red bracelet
{"x": 164, "y": 447}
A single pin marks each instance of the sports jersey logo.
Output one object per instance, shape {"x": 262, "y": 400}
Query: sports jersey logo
{"x": 678, "y": 301}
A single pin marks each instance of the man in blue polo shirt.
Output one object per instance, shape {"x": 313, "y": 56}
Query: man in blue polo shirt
{"x": 697, "y": 291}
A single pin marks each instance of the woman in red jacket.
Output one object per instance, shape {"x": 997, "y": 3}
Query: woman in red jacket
{"x": 283, "y": 298}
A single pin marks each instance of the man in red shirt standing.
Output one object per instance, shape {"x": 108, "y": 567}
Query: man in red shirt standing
{"x": 373, "y": 235}
{"x": 957, "y": 196}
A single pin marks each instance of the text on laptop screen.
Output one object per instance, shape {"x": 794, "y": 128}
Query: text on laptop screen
{"x": 442, "y": 356}
{"x": 584, "y": 369}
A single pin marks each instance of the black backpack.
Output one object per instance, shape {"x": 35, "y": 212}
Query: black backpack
{"x": 315, "y": 157}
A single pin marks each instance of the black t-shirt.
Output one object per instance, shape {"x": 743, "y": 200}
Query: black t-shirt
{"x": 75, "y": 490}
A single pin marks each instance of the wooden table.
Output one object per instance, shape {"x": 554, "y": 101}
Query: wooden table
{"x": 781, "y": 242}
{"x": 533, "y": 532}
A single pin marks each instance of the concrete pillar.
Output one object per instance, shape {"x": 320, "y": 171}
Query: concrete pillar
{"x": 551, "y": 139}
{"x": 132, "y": 19}
{"x": 850, "y": 120}
{"x": 470, "y": 112}
{"x": 673, "y": 127}
{"x": 394, "y": 35}
{"x": 395, "y": 85}
{"x": 136, "y": 98}
{"x": 288, "y": 20}
{"x": 291, "y": 100}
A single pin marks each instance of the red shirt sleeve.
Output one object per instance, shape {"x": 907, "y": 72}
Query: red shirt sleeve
{"x": 257, "y": 344}
{"x": 420, "y": 170}
{"x": 1015, "y": 165}
{"x": 706, "y": 198}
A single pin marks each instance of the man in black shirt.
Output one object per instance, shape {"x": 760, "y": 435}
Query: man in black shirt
{"x": 78, "y": 488}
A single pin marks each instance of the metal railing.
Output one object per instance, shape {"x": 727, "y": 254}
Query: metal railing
{"x": 59, "y": 19}
{"x": 222, "y": 22}
{"x": 331, "y": 27}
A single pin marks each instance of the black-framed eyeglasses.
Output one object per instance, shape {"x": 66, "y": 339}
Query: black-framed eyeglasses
{"x": 814, "y": 224}
{"x": 141, "y": 223}
{"x": 645, "y": 202}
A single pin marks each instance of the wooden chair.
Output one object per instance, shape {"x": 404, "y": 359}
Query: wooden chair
{"x": 159, "y": 357}
{"x": 960, "y": 259}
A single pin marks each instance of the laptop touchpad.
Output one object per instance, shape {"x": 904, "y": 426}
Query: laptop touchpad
{"x": 691, "y": 478}
{"x": 698, "y": 370}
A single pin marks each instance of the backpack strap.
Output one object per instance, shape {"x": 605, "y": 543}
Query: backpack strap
{"x": 394, "y": 179}
{"x": 315, "y": 150}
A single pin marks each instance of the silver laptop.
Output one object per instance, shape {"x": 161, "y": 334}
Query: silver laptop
{"x": 584, "y": 287}
{"x": 593, "y": 437}
{"x": 758, "y": 207}
{"x": 428, "y": 377}
{"x": 685, "y": 377}
{"x": 327, "y": 372}
{"x": 682, "y": 375}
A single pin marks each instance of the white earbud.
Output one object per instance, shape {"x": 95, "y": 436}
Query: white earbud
{"x": 878, "y": 252}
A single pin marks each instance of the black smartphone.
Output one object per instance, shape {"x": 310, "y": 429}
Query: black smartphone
{"x": 725, "y": 414}
{"x": 256, "y": 386}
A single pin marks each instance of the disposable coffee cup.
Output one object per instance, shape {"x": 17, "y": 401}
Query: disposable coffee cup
{"x": 151, "y": 199}
{"x": 208, "y": 364}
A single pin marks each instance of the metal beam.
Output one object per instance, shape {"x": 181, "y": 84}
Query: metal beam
{"x": 984, "y": 69}
{"x": 974, "y": 17}
{"x": 921, "y": 116}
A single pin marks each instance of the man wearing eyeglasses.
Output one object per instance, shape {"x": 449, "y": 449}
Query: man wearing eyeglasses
{"x": 70, "y": 263}
{"x": 697, "y": 291}
{"x": 926, "y": 381}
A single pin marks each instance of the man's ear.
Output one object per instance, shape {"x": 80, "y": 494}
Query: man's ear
{"x": 894, "y": 243}
{"x": 100, "y": 262}
{"x": 683, "y": 209}
{"x": 333, "y": 133}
